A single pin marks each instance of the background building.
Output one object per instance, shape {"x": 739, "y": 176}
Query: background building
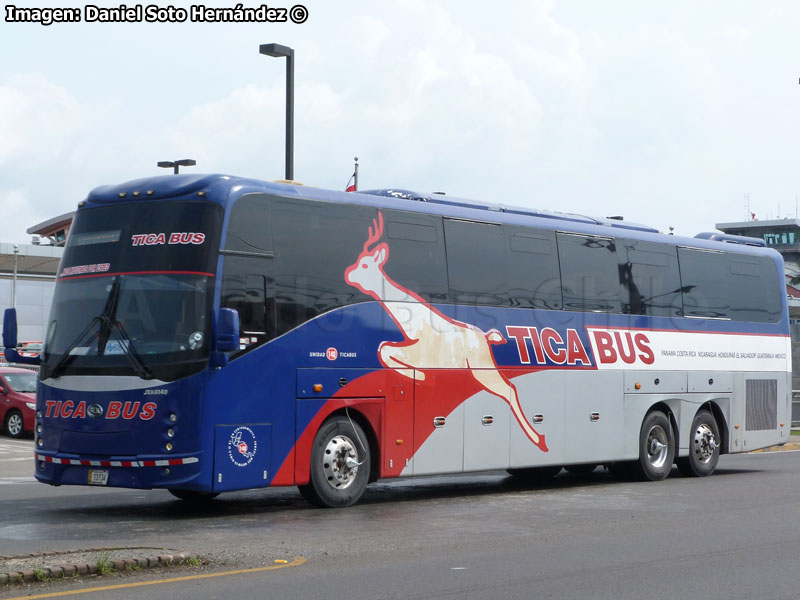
{"x": 31, "y": 290}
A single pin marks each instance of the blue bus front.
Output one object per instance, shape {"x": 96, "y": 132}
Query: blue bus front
{"x": 128, "y": 344}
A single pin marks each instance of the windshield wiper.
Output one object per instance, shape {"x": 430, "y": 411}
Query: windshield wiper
{"x": 108, "y": 323}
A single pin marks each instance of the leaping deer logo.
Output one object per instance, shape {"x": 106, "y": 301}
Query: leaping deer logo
{"x": 432, "y": 340}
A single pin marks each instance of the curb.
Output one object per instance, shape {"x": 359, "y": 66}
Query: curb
{"x": 116, "y": 565}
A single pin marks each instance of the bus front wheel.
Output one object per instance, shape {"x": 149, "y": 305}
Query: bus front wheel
{"x": 340, "y": 465}
{"x": 656, "y": 447}
{"x": 704, "y": 447}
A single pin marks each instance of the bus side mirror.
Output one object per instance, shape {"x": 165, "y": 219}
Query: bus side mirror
{"x": 226, "y": 336}
{"x": 227, "y": 330}
{"x": 10, "y": 340}
{"x": 10, "y": 328}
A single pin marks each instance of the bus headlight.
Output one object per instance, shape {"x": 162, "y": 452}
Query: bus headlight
{"x": 168, "y": 446}
{"x": 170, "y": 432}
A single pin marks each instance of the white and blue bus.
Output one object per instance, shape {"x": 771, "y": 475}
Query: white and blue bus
{"x": 213, "y": 333}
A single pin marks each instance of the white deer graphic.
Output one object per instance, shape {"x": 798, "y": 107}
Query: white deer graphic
{"x": 433, "y": 340}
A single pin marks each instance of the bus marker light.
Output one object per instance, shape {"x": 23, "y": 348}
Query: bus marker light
{"x": 317, "y": 387}
{"x": 173, "y": 417}
{"x": 150, "y": 192}
{"x": 782, "y": 424}
{"x": 736, "y": 427}
{"x": 168, "y": 446}
{"x": 40, "y": 442}
{"x": 637, "y": 386}
{"x": 399, "y": 442}
{"x": 137, "y": 194}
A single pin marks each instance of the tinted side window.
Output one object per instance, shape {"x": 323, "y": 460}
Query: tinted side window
{"x": 534, "y": 279}
{"x": 416, "y": 253}
{"x": 650, "y": 278}
{"x": 314, "y": 242}
{"x": 589, "y": 273}
{"x": 730, "y": 286}
{"x": 249, "y": 225}
{"x": 477, "y": 266}
{"x": 246, "y": 285}
{"x": 755, "y": 288}
{"x": 705, "y": 285}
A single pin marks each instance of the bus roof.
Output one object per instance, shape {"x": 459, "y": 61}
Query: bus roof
{"x": 222, "y": 188}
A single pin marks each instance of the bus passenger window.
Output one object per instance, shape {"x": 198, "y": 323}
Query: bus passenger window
{"x": 704, "y": 282}
{"x": 477, "y": 265}
{"x": 534, "y": 280}
{"x": 416, "y": 254}
{"x": 589, "y": 274}
{"x": 650, "y": 279}
{"x": 755, "y": 288}
{"x": 314, "y": 243}
{"x": 250, "y": 226}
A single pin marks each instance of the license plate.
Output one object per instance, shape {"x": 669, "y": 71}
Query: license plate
{"x": 98, "y": 477}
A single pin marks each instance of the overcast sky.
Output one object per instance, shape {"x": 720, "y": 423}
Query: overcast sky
{"x": 669, "y": 113}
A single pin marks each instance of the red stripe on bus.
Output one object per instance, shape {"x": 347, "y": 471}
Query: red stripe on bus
{"x": 136, "y": 273}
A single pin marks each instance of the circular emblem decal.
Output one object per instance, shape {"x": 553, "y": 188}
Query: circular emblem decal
{"x": 242, "y": 446}
{"x": 94, "y": 411}
{"x": 332, "y": 353}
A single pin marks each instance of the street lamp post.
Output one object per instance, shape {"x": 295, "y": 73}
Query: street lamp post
{"x": 14, "y": 292}
{"x": 278, "y": 50}
{"x": 175, "y": 164}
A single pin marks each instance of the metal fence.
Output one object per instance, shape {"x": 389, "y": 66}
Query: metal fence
{"x": 795, "y": 408}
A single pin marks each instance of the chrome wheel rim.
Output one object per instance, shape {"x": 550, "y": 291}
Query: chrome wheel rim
{"x": 340, "y": 462}
{"x": 14, "y": 424}
{"x": 657, "y": 446}
{"x": 704, "y": 444}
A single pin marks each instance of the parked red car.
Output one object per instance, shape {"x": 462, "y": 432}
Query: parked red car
{"x": 17, "y": 400}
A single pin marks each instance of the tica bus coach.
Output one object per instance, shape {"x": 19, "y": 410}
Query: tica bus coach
{"x": 212, "y": 333}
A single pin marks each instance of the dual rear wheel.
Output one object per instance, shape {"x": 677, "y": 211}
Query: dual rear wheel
{"x": 657, "y": 449}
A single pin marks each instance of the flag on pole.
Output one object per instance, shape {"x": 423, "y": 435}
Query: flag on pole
{"x": 352, "y": 183}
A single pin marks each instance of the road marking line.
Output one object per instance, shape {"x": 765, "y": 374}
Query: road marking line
{"x": 296, "y": 562}
{"x": 12, "y": 480}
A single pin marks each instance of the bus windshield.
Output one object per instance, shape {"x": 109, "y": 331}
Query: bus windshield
{"x": 134, "y": 293}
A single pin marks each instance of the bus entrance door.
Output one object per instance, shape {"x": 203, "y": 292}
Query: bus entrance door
{"x": 241, "y": 456}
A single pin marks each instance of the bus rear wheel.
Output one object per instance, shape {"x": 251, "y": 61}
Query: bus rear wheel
{"x": 656, "y": 447}
{"x": 704, "y": 447}
{"x": 340, "y": 465}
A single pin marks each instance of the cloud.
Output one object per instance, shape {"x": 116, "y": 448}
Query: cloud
{"x": 37, "y": 120}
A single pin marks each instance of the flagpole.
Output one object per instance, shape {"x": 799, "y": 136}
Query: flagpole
{"x": 355, "y": 174}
